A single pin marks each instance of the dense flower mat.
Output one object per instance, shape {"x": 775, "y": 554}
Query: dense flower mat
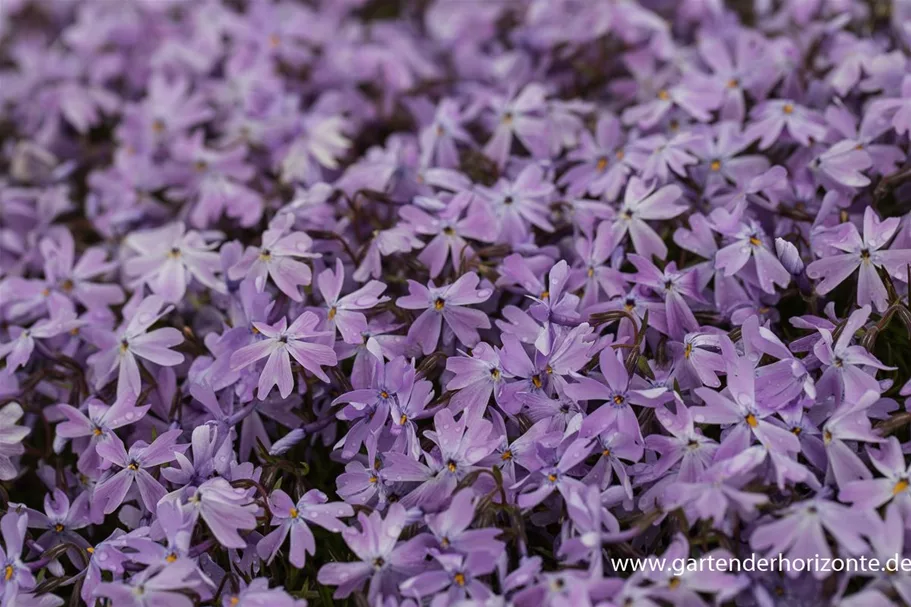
{"x": 452, "y": 302}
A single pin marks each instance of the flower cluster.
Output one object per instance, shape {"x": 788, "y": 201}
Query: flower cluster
{"x": 452, "y": 302}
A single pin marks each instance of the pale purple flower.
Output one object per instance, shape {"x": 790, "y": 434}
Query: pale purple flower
{"x": 133, "y": 464}
{"x": 450, "y": 304}
{"x": 868, "y": 254}
{"x": 120, "y": 349}
{"x": 641, "y": 203}
{"x": 168, "y": 258}
{"x": 292, "y": 519}
{"x": 280, "y": 343}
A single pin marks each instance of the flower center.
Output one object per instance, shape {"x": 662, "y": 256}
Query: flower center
{"x": 602, "y": 164}
{"x": 133, "y": 466}
{"x": 687, "y": 351}
{"x": 788, "y": 108}
{"x": 900, "y": 487}
{"x": 332, "y": 312}
{"x": 171, "y": 557}
{"x": 755, "y": 241}
{"x": 536, "y": 381}
{"x": 293, "y": 512}
{"x": 716, "y": 165}
{"x": 507, "y": 455}
{"x": 8, "y": 573}
{"x": 751, "y": 420}
{"x": 459, "y": 579}
{"x": 438, "y": 304}
{"x": 58, "y": 528}
{"x": 663, "y": 95}
{"x": 451, "y": 466}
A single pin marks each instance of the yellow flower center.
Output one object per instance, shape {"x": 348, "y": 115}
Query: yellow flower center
{"x": 900, "y": 487}
{"x": 58, "y": 527}
{"x": 663, "y": 95}
{"x": 293, "y": 512}
{"x": 751, "y": 420}
{"x": 460, "y": 579}
{"x": 451, "y": 466}
{"x": 507, "y": 455}
{"x": 755, "y": 241}
{"x": 716, "y": 165}
{"x": 552, "y": 477}
{"x": 332, "y": 312}
{"x": 438, "y": 304}
{"x": 171, "y": 557}
{"x": 536, "y": 381}
{"x": 733, "y": 83}
{"x": 8, "y": 573}
{"x": 687, "y": 350}
{"x": 602, "y": 164}
{"x": 788, "y": 108}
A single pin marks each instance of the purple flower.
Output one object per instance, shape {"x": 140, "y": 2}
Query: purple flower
{"x": 738, "y": 408}
{"x": 277, "y": 259}
{"x": 851, "y": 252}
{"x": 98, "y": 425}
{"x": 447, "y": 303}
{"x": 168, "y": 258}
{"x": 868, "y": 494}
{"x": 641, "y": 203}
{"x": 771, "y": 118}
{"x": 344, "y": 312}
{"x": 153, "y": 586}
{"x": 801, "y": 532}
{"x": 520, "y": 116}
{"x": 280, "y": 344}
{"x": 224, "y": 509}
{"x": 456, "y": 580}
{"x": 450, "y": 230}
{"x": 382, "y": 559}
{"x": 16, "y": 574}
{"x": 293, "y": 518}
{"x": 112, "y": 491}
{"x": 119, "y": 349}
